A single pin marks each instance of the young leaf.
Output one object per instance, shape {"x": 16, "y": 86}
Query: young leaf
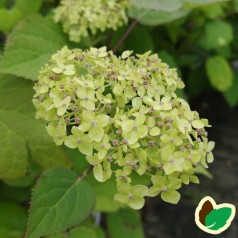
{"x": 60, "y": 201}
{"x": 21, "y": 135}
{"x": 219, "y": 73}
{"x": 31, "y": 44}
{"x": 217, "y": 218}
{"x": 125, "y": 223}
{"x": 12, "y": 220}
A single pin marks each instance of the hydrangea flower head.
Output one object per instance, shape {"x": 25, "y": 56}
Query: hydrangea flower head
{"x": 80, "y": 17}
{"x": 124, "y": 115}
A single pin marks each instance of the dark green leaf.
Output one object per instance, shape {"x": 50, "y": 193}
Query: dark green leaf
{"x": 140, "y": 40}
{"x": 104, "y": 194}
{"x": 82, "y": 232}
{"x": 125, "y": 223}
{"x": 14, "y": 194}
{"x": 12, "y": 220}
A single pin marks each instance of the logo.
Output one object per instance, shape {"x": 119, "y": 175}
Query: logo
{"x": 213, "y": 218}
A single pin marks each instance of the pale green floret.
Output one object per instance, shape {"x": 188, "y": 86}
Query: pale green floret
{"x": 83, "y": 17}
{"x": 131, "y": 195}
{"x": 123, "y": 114}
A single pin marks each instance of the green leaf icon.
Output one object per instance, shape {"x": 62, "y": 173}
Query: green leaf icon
{"x": 218, "y": 218}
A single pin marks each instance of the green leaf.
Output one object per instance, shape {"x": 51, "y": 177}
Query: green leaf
{"x": 28, "y": 6}
{"x": 82, "y": 232}
{"x": 104, "y": 194}
{"x": 79, "y": 162}
{"x": 59, "y": 194}
{"x": 219, "y": 73}
{"x": 217, "y": 218}
{"x": 124, "y": 223}
{"x": 58, "y": 236}
{"x": 3, "y": 3}
{"x": 202, "y": 2}
{"x": 14, "y": 194}
{"x": 8, "y": 19}
{"x": 30, "y": 46}
{"x": 197, "y": 81}
{"x": 138, "y": 35}
{"x": 218, "y": 34}
{"x": 160, "y": 5}
{"x": 231, "y": 95}
{"x": 12, "y": 220}
{"x": 235, "y": 5}
{"x": 22, "y": 136}
{"x": 168, "y": 59}
{"x": 154, "y": 18}
{"x": 85, "y": 230}
{"x": 214, "y": 11}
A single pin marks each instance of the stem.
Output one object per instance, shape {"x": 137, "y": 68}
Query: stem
{"x": 109, "y": 39}
{"x": 2, "y": 37}
{"x": 125, "y": 35}
{"x": 85, "y": 173}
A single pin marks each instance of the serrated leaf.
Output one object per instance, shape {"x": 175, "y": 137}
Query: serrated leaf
{"x": 217, "y": 218}
{"x": 124, "y": 223}
{"x": 219, "y": 73}
{"x": 154, "y": 18}
{"x": 30, "y": 46}
{"x": 59, "y": 194}
{"x": 12, "y": 220}
{"x": 22, "y": 136}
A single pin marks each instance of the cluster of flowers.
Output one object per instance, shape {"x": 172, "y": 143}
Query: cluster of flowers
{"x": 123, "y": 114}
{"x": 79, "y": 17}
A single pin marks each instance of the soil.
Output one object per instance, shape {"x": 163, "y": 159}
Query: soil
{"x": 162, "y": 220}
